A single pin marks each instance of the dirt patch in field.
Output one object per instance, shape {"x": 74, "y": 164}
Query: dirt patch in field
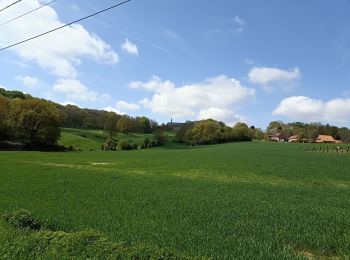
{"x": 307, "y": 254}
{"x": 100, "y": 163}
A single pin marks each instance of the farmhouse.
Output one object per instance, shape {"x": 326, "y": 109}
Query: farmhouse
{"x": 325, "y": 139}
{"x": 278, "y": 137}
{"x": 293, "y": 139}
{"x": 174, "y": 126}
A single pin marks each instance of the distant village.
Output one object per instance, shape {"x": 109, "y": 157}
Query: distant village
{"x": 280, "y": 137}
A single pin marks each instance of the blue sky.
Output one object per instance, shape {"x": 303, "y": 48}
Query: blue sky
{"x": 253, "y": 61}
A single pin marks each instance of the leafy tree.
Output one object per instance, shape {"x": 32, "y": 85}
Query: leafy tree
{"x": 242, "y": 132}
{"x": 344, "y": 134}
{"x": 144, "y": 124}
{"x": 4, "y": 119}
{"x": 205, "y": 132}
{"x": 36, "y": 120}
{"x": 125, "y": 125}
{"x": 181, "y": 134}
{"x": 111, "y": 123}
{"x": 274, "y": 127}
{"x": 159, "y": 137}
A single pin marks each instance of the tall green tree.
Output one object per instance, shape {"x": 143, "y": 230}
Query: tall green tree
{"x": 144, "y": 124}
{"x": 4, "y": 118}
{"x": 125, "y": 125}
{"x": 111, "y": 124}
{"x": 36, "y": 121}
{"x": 242, "y": 132}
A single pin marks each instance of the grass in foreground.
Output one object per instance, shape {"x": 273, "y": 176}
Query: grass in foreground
{"x": 242, "y": 200}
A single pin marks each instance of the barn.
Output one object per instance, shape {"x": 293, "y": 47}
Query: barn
{"x": 328, "y": 139}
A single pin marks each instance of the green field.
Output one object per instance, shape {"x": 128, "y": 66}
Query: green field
{"x": 239, "y": 200}
{"x": 91, "y": 140}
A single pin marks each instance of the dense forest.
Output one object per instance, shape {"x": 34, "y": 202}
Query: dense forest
{"x": 34, "y": 122}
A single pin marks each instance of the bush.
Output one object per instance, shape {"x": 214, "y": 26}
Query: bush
{"x": 146, "y": 142}
{"x": 22, "y": 219}
{"x": 124, "y": 145}
{"x": 110, "y": 145}
{"x": 160, "y": 138}
{"x": 135, "y": 146}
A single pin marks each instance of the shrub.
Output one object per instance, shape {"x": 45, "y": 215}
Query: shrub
{"x": 146, "y": 142}
{"x": 22, "y": 219}
{"x": 110, "y": 145}
{"x": 124, "y": 145}
{"x": 160, "y": 138}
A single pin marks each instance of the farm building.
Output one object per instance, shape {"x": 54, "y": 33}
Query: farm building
{"x": 293, "y": 139}
{"x": 278, "y": 137}
{"x": 174, "y": 126}
{"x": 325, "y": 139}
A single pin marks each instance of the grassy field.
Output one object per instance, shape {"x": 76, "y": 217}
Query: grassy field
{"x": 239, "y": 200}
{"x": 91, "y": 140}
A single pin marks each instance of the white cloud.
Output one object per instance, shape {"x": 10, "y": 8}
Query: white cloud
{"x": 3, "y": 87}
{"x": 74, "y": 90}
{"x": 65, "y": 103}
{"x": 240, "y": 24}
{"x": 224, "y": 115}
{"x": 301, "y": 108}
{"x": 215, "y": 97}
{"x": 59, "y": 52}
{"x": 123, "y": 105}
{"x": 274, "y": 77}
{"x": 130, "y": 47}
{"x": 28, "y": 81}
{"x": 112, "y": 109}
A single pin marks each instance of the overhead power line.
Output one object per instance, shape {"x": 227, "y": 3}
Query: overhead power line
{"x": 31, "y": 11}
{"x": 6, "y": 7}
{"x": 63, "y": 26}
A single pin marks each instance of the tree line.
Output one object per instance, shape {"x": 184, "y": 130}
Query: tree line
{"x": 37, "y": 122}
{"x": 210, "y": 132}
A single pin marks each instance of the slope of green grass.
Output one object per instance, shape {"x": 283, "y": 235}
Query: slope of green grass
{"x": 239, "y": 200}
{"x": 87, "y": 140}
{"x": 68, "y": 139}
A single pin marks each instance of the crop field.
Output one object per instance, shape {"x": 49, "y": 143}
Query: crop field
{"x": 240, "y": 200}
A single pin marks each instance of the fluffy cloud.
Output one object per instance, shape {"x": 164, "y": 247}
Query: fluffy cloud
{"x": 224, "y": 115}
{"x": 215, "y": 98}
{"x": 76, "y": 91}
{"x": 28, "y": 81}
{"x": 123, "y": 105}
{"x": 59, "y": 52}
{"x": 274, "y": 77}
{"x": 301, "y": 108}
{"x": 130, "y": 47}
{"x": 112, "y": 109}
